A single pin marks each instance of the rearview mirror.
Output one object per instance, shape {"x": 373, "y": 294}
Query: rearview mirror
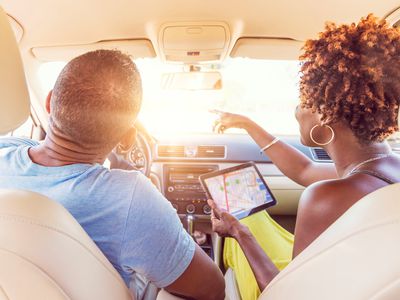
{"x": 194, "y": 80}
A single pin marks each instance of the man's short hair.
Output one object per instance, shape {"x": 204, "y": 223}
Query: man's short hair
{"x": 96, "y": 98}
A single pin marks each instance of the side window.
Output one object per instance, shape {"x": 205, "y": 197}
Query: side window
{"x": 394, "y": 142}
{"x": 25, "y": 130}
{"x": 29, "y": 129}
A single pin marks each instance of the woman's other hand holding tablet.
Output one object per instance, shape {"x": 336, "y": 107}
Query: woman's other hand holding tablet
{"x": 223, "y": 223}
{"x": 226, "y": 225}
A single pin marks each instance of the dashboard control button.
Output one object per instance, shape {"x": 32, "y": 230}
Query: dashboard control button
{"x": 207, "y": 209}
{"x": 171, "y": 189}
{"x": 190, "y": 208}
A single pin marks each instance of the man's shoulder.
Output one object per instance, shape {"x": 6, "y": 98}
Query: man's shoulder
{"x": 143, "y": 186}
{"x": 124, "y": 183}
{"x": 130, "y": 177}
{"x": 6, "y": 142}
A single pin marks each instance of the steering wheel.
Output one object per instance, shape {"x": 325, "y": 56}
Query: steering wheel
{"x": 139, "y": 155}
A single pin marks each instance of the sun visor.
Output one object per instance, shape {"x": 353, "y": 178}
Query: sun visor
{"x": 267, "y": 48}
{"x": 138, "y": 48}
{"x": 193, "y": 42}
{"x": 17, "y": 28}
{"x": 394, "y": 18}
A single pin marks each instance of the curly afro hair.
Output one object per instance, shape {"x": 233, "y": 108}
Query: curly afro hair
{"x": 351, "y": 73}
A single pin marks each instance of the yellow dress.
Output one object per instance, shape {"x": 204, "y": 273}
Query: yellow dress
{"x": 273, "y": 239}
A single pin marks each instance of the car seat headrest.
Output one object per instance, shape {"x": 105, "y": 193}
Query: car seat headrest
{"x": 14, "y": 96}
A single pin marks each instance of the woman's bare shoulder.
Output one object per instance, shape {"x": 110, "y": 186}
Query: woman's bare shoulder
{"x": 330, "y": 190}
{"x": 325, "y": 201}
{"x": 321, "y": 204}
{"x": 346, "y": 190}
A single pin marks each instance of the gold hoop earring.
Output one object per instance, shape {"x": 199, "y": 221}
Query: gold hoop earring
{"x": 322, "y": 144}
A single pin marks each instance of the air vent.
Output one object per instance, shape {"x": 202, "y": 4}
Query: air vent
{"x": 211, "y": 151}
{"x": 320, "y": 154}
{"x": 170, "y": 151}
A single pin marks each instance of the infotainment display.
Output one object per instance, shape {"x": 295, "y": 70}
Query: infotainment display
{"x": 240, "y": 190}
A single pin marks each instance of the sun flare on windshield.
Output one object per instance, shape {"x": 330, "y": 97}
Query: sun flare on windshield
{"x": 264, "y": 90}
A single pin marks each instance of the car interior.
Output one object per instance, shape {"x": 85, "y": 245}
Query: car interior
{"x": 193, "y": 57}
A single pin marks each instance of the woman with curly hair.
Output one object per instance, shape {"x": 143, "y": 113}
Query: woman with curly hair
{"x": 349, "y": 103}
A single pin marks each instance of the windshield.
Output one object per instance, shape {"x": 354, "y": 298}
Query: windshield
{"x": 264, "y": 90}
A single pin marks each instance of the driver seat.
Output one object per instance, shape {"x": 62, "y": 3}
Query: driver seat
{"x": 44, "y": 252}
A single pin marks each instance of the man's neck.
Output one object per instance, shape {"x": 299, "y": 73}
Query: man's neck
{"x": 56, "y": 150}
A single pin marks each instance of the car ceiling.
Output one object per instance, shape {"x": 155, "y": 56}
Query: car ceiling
{"x": 47, "y": 23}
{"x": 61, "y": 22}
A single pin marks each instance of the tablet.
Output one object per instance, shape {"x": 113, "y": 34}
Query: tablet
{"x": 240, "y": 190}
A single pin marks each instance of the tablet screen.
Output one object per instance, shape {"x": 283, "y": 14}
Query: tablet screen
{"x": 238, "y": 190}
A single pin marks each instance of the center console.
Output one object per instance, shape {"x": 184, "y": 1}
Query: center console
{"x": 183, "y": 189}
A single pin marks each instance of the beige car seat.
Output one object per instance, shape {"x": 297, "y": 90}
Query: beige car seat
{"x": 44, "y": 253}
{"x": 358, "y": 257}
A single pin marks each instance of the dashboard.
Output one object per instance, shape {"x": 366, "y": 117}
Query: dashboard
{"x": 178, "y": 161}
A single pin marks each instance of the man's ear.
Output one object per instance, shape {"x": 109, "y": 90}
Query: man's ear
{"x": 128, "y": 139}
{"x": 48, "y": 101}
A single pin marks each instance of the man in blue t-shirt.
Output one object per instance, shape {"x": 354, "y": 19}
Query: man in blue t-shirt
{"x": 92, "y": 108}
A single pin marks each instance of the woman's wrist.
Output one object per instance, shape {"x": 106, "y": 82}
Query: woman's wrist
{"x": 239, "y": 230}
{"x": 247, "y": 124}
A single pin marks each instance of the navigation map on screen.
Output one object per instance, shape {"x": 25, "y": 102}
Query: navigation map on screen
{"x": 238, "y": 190}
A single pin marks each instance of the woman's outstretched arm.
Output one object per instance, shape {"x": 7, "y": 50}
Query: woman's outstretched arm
{"x": 288, "y": 159}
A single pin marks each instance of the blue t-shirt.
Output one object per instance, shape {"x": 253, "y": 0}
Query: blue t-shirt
{"x": 127, "y": 217}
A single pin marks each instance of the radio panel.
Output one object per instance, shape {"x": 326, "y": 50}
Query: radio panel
{"x": 182, "y": 187}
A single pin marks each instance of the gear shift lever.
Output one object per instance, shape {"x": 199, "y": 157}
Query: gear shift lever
{"x": 190, "y": 224}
